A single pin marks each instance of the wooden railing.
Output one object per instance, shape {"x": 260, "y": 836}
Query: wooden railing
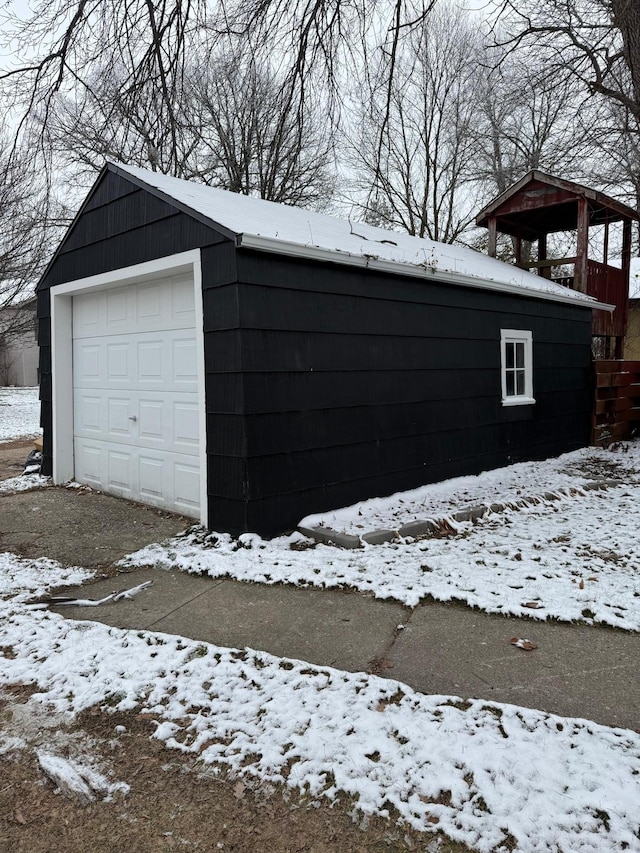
{"x": 565, "y": 281}
{"x": 617, "y": 405}
{"x": 609, "y": 285}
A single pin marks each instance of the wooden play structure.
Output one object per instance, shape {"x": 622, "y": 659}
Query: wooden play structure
{"x": 539, "y": 205}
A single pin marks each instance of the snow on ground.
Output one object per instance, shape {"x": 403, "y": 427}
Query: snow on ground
{"x": 575, "y": 558}
{"x": 21, "y": 580}
{"x": 521, "y": 480}
{"x": 24, "y": 483}
{"x": 32, "y": 578}
{"x": 490, "y": 775}
{"x": 19, "y": 413}
{"x": 78, "y": 780}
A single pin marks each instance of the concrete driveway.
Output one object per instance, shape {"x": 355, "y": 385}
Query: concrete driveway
{"x": 576, "y": 670}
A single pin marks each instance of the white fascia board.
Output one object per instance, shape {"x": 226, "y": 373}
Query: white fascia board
{"x": 316, "y": 253}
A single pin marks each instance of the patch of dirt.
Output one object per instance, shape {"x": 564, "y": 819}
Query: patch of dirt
{"x": 13, "y": 455}
{"x": 175, "y": 803}
{"x": 618, "y": 467}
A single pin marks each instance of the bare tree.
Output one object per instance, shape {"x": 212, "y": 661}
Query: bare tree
{"x": 413, "y": 156}
{"x": 595, "y": 41}
{"x": 586, "y": 56}
{"x": 257, "y": 137}
{"x": 71, "y": 43}
{"x": 528, "y": 120}
{"x": 81, "y": 48}
{"x": 77, "y": 47}
{"x": 24, "y": 216}
{"x": 24, "y": 243}
{"x": 236, "y": 127}
{"x": 98, "y": 123}
{"x": 615, "y": 135}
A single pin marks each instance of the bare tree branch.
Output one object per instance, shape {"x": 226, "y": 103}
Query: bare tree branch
{"x": 414, "y": 145}
{"x": 596, "y": 41}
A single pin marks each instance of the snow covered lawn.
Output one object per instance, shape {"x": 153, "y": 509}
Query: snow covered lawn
{"x": 575, "y": 558}
{"x": 19, "y": 413}
{"x": 22, "y": 580}
{"x": 492, "y": 776}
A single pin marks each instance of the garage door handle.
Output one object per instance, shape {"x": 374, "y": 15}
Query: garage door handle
{"x": 133, "y": 418}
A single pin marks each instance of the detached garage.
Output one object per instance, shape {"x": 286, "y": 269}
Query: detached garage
{"x": 246, "y": 363}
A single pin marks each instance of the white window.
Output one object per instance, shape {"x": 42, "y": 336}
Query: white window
{"x": 517, "y": 367}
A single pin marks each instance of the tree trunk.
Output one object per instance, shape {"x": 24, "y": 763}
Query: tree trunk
{"x": 626, "y": 17}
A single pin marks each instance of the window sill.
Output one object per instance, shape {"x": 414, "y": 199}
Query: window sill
{"x": 518, "y": 401}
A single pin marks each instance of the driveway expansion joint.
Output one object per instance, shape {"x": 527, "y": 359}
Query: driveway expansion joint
{"x": 184, "y": 604}
{"x": 382, "y": 662}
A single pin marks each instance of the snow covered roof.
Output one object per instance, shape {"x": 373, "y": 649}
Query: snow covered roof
{"x": 268, "y": 226}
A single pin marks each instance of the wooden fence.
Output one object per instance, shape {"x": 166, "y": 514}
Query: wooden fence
{"x": 617, "y": 405}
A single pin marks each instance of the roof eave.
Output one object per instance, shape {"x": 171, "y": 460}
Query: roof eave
{"x": 502, "y": 197}
{"x": 317, "y": 253}
{"x": 623, "y": 210}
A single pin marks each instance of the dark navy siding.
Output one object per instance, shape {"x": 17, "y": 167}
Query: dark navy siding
{"x": 224, "y": 392}
{"x": 358, "y": 384}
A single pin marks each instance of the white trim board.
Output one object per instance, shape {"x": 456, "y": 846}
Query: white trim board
{"x": 62, "y": 354}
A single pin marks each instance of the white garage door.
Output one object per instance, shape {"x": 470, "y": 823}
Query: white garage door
{"x": 135, "y": 393}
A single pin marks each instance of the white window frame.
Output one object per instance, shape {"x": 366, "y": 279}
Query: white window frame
{"x": 517, "y": 336}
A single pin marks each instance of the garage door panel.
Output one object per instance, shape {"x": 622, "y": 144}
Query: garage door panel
{"x": 187, "y": 487}
{"x": 117, "y": 314}
{"x": 169, "y": 423}
{"x": 184, "y": 362}
{"x": 87, "y": 358}
{"x": 121, "y": 471}
{"x": 140, "y": 362}
{"x": 167, "y": 480}
{"x": 168, "y": 303}
{"x": 104, "y": 415}
{"x": 186, "y": 426}
{"x": 120, "y": 423}
{"x": 152, "y": 424}
{"x": 119, "y": 363}
{"x": 183, "y": 304}
{"x": 86, "y": 316}
{"x": 136, "y": 406}
{"x": 149, "y": 305}
{"x": 88, "y": 415}
{"x": 151, "y": 364}
{"x": 153, "y": 479}
{"x": 89, "y": 364}
{"x": 89, "y": 462}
